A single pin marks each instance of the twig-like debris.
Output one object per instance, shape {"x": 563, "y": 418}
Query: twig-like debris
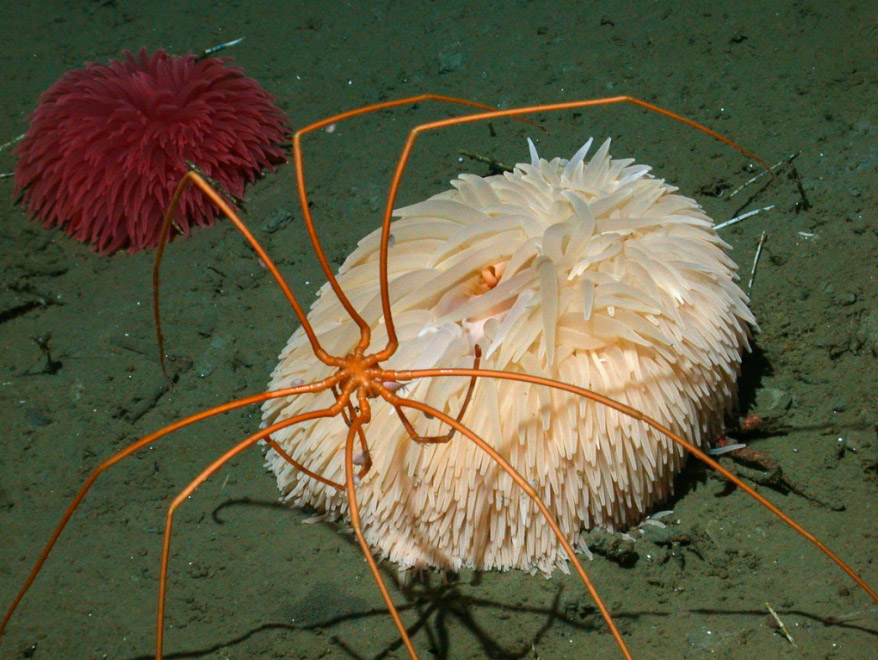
{"x": 495, "y": 166}
{"x": 215, "y": 49}
{"x": 803, "y": 204}
{"x": 780, "y": 625}
{"x": 743, "y": 216}
{"x": 237, "y": 201}
{"x": 14, "y": 140}
{"x": 755, "y": 261}
{"x": 217, "y": 186}
{"x": 761, "y": 174}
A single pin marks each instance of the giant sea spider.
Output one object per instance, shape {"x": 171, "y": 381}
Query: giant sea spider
{"x": 358, "y": 378}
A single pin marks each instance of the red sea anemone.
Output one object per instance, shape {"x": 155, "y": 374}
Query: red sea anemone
{"x": 107, "y": 145}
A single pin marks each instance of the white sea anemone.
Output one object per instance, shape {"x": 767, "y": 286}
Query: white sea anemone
{"x": 591, "y": 272}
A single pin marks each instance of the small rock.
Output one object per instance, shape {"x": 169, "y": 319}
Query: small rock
{"x": 37, "y": 419}
{"x": 6, "y": 502}
{"x": 450, "y": 58}
{"x": 867, "y": 333}
{"x": 772, "y": 403}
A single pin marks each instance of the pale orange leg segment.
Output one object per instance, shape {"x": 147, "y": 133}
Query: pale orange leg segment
{"x": 191, "y": 488}
{"x": 365, "y": 330}
{"x": 392, "y": 341}
{"x": 636, "y": 414}
{"x": 193, "y": 178}
{"x": 134, "y": 447}
{"x": 532, "y": 494}
{"x": 358, "y": 527}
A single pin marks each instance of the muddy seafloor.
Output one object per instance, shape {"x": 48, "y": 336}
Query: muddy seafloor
{"x": 248, "y": 579}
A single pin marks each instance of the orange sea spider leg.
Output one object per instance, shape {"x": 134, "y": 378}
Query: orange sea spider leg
{"x": 490, "y": 113}
{"x": 264, "y": 434}
{"x": 140, "y": 444}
